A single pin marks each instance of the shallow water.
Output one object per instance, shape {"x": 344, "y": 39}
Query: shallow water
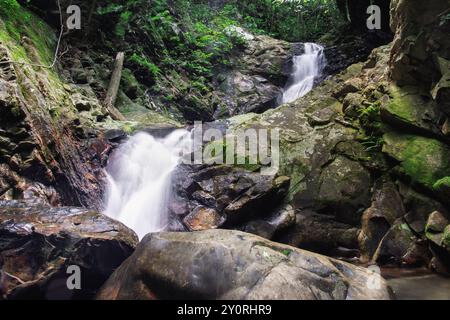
{"x": 418, "y": 285}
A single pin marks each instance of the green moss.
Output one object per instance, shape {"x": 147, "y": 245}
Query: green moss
{"x": 446, "y": 237}
{"x": 442, "y": 183}
{"x": 19, "y": 22}
{"x": 283, "y": 251}
{"x": 442, "y": 188}
{"x": 402, "y": 104}
{"x": 424, "y": 160}
{"x": 146, "y": 64}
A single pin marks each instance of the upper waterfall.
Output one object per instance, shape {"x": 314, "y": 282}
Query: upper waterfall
{"x": 139, "y": 180}
{"x": 307, "y": 67}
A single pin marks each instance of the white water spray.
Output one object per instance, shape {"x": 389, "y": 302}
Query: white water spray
{"x": 139, "y": 178}
{"x": 307, "y": 67}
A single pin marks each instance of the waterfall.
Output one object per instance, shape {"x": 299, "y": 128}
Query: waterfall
{"x": 139, "y": 180}
{"x": 307, "y": 67}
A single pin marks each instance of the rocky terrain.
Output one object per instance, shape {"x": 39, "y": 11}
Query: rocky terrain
{"x": 364, "y": 173}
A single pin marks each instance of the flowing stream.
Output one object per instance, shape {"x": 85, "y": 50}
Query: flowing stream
{"x": 139, "y": 178}
{"x": 307, "y": 67}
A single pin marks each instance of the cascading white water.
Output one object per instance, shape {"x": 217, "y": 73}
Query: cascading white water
{"x": 307, "y": 67}
{"x": 139, "y": 178}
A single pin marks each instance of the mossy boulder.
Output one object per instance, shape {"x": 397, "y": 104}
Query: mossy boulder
{"x": 423, "y": 161}
{"x": 410, "y": 110}
{"x": 442, "y": 188}
{"x": 446, "y": 238}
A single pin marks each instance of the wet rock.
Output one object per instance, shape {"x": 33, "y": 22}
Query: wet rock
{"x": 418, "y": 207}
{"x": 345, "y": 187}
{"x": 38, "y": 191}
{"x": 400, "y": 246}
{"x": 438, "y": 232}
{"x": 260, "y": 228}
{"x": 38, "y": 243}
{"x": 258, "y": 74}
{"x": 437, "y": 222}
{"x": 441, "y": 92}
{"x": 386, "y": 208}
{"x": 260, "y": 196}
{"x": 319, "y": 233}
{"x": 236, "y": 195}
{"x": 282, "y": 219}
{"x": 221, "y": 264}
{"x": 203, "y": 219}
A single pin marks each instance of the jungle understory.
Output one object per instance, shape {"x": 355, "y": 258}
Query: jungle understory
{"x": 94, "y": 141}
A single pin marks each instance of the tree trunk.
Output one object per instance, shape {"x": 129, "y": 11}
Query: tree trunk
{"x": 113, "y": 88}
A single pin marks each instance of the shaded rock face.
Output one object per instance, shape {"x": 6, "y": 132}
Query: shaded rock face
{"x": 258, "y": 74}
{"x": 222, "y": 196}
{"x": 437, "y": 231}
{"x": 42, "y": 140}
{"x": 421, "y": 40}
{"x": 221, "y": 264}
{"x": 386, "y": 208}
{"x": 39, "y": 243}
{"x": 322, "y": 234}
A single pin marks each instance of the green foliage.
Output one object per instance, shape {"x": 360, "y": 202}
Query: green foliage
{"x": 122, "y": 24}
{"x": 146, "y": 64}
{"x": 292, "y": 20}
{"x": 16, "y": 22}
{"x": 7, "y": 7}
{"x": 443, "y": 183}
{"x": 445, "y": 18}
{"x": 175, "y": 47}
{"x": 371, "y": 131}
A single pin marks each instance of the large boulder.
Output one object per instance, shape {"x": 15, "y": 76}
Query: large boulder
{"x": 259, "y": 72}
{"x": 210, "y": 197}
{"x": 322, "y": 234}
{"x": 421, "y": 36}
{"x": 401, "y": 247}
{"x": 39, "y": 243}
{"x": 422, "y": 161}
{"x": 221, "y": 264}
{"x": 386, "y": 208}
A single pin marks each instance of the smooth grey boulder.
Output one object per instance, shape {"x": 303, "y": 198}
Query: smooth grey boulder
{"x": 225, "y": 264}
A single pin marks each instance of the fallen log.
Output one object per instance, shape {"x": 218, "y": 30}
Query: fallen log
{"x": 113, "y": 88}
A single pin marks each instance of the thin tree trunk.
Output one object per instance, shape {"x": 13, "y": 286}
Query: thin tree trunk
{"x": 113, "y": 88}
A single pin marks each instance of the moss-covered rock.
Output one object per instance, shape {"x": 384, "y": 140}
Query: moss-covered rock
{"x": 446, "y": 238}
{"x": 422, "y": 160}
{"x": 442, "y": 187}
{"x": 408, "y": 109}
